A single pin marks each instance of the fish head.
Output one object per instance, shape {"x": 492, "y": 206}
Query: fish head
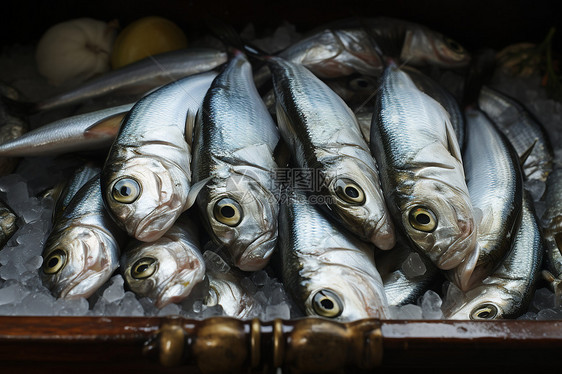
{"x": 423, "y": 46}
{"x": 226, "y": 290}
{"x": 241, "y": 214}
{"x": 480, "y": 303}
{"x": 78, "y": 260}
{"x": 165, "y": 270}
{"x": 356, "y": 198}
{"x": 345, "y": 293}
{"x": 145, "y": 195}
{"x": 438, "y": 218}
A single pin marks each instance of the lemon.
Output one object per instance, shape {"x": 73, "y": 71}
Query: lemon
{"x": 145, "y": 37}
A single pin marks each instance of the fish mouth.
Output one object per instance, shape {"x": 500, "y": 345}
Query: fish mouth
{"x": 85, "y": 284}
{"x": 383, "y": 235}
{"x": 180, "y": 286}
{"x": 458, "y": 251}
{"x": 162, "y": 217}
{"x": 257, "y": 253}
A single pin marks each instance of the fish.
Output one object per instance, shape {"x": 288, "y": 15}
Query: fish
{"x": 139, "y": 77}
{"x": 165, "y": 270}
{"x": 508, "y": 291}
{"x": 327, "y": 271}
{"x": 495, "y": 184}
{"x": 8, "y": 223}
{"x": 89, "y": 131}
{"x": 233, "y": 146}
{"x": 552, "y": 228}
{"x": 225, "y": 289}
{"x": 346, "y": 47}
{"x": 146, "y": 177}
{"x": 13, "y": 125}
{"x": 82, "y": 251}
{"x": 326, "y": 142}
{"x": 523, "y": 129}
{"x": 422, "y": 173}
{"x": 400, "y": 287}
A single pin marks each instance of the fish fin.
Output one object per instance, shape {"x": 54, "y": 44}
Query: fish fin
{"x": 525, "y": 155}
{"x": 107, "y": 127}
{"x": 452, "y": 141}
{"x": 194, "y": 191}
{"x": 282, "y": 154}
{"x": 190, "y": 122}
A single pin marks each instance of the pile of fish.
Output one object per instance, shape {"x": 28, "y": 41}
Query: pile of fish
{"x": 353, "y": 165}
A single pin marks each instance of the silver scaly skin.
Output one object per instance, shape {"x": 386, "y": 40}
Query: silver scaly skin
{"x": 233, "y": 145}
{"x": 141, "y": 76}
{"x": 146, "y": 177}
{"x": 82, "y": 132}
{"x": 167, "y": 269}
{"x": 552, "y": 223}
{"x": 422, "y": 173}
{"x": 82, "y": 251}
{"x": 328, "y": 271}
{"x": 507, "y": 292}
{"x": 522, "y": 129}
{"x": 324, "y": 137}
{"x": 495, "y": 184}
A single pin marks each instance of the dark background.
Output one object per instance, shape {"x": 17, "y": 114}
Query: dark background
{"x": 492, "y": 23}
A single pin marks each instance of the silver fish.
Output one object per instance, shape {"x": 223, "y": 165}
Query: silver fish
{"x": 233, "y": 146}
{"x": 167, "y": 269}
{"x": 328, "y": 271}
{"x": 552, "y": 224}
{"x": 422, "y": 173}
{"x": 325, "y": 139}
{"x": 8, "y": 223}
{"x": 141, "y": 76}
{"x": 400, "y": 287}
{"x": 346, "y": 47}
{"x": 523, "y": 130}
{"x": 82, "y": 132}
{"x": 495, "y": 185}
{"x": 146, "y": 176}
{"x": 225, "y": 289}
{"x": 82, "y": 251}
{"x": 508, "y": 291}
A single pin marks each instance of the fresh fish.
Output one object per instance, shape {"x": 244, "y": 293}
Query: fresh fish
{"x": 328, "y": 271}
{"x": 225, "y": 289}
{"x": 509, "y": 290}
{"x": 523, "y": 130}
{"x": 140, "y": 77}
{"x": 552, "y": 224}
{"x": 400, "y": 287}
{"x": 146, "y": 176}
{"x": 82, "y": 251}
{"x": 495, "y": 185}
{"x": 82, "y": 132}
{"x": 8, "y": 223}
{"x": 346, "y": 47}
{"x": 12, "y": 126}
{"x": 233, "y": 146}
{"x": 325, "y": 140}
{"x": 422, "y": 173}
{"x": 167, "y": 269}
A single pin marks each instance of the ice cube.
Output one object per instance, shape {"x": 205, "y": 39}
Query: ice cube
{"x": 408, "y": 311}
{"x": 277, "y": 311}
{"x": 549, "y": 314}
{"x": 37, "y": 304}
{"x": 214, "y": 262}
{"x": 413, "y": 266}
{"x": 431, "y": 305}
{"x": 248, "y": 285}
{"x": 71, "y": 307}
{"x": 530, "y": 316}
{"x": 10, "y": 294}
{"x": 130, "y": 306}
{"x": 115, "y": 291}
{"x": 260, "y": 278}
{"x": 543, "y": 299}
{"x": 169, "y": 310}
{"x": 536, "y": 188}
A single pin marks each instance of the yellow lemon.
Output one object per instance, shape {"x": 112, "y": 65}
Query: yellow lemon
{"x": 146, "y": 37}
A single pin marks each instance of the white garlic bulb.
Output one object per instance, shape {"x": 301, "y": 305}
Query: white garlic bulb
{"x": 72, "y": 51}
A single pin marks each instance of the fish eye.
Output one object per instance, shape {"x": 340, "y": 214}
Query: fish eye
{"x": 485, "y": 311}
{"x": 54, "y": 262}
{"x": 228, "y": 212}
{"x": 454, "y": 46}
{"x": 349, "y": 191}
{"x": 143, "y": 268}
{"x": 327, "y": 304}
{"x": 361, "y": 83}
{"x": 422, "y": 219}
{"x": 126, "y": 190}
